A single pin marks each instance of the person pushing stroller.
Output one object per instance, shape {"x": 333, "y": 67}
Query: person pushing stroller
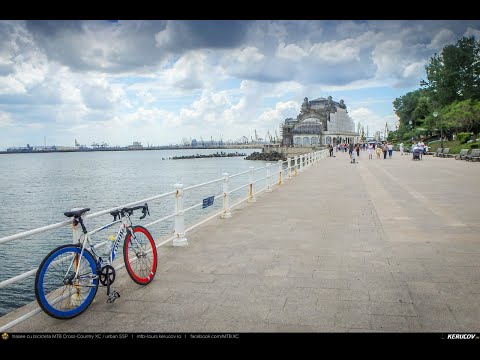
{"x": 417, "y": 152}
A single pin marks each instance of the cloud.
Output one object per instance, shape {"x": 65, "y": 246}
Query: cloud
{"x": 335, "y": 52}
{"x": 99, "y": 45}
{"x": 200, "y": 34}
{"x": 373, "y": 120}
{"x": 473, "y": 32}
{"x": 444, "y": 37}
{"x": 290, "y": 52}
{"x": 194, "y": 70}
{"x": 5, "y": 119}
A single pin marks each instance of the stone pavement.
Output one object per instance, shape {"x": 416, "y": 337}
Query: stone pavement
{"x": 378, "y": 246}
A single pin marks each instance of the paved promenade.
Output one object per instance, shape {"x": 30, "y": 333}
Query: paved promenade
{"x": 378, "y": 246}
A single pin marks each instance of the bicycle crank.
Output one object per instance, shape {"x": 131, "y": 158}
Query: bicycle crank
{"x": 107, "y": 275}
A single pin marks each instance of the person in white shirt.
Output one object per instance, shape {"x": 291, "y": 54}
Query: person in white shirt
{"x": 421, "y": 145}
{"x": 369, "y": 151}
{"x": 390, "y": 150}
{"x": 401, "y": 148}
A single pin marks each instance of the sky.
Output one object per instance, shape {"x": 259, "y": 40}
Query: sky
{"x": 160, "y": 82}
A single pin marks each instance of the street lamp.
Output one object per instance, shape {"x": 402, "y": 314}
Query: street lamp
{"x": 435, "y": 114}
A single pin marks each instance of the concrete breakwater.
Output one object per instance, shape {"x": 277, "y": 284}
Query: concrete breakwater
{"x": 271, "y": 156}
{"x": 199, "y": 156}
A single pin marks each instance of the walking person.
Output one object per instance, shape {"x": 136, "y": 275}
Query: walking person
{"x": 390, "y": 150}
{"x": 369, "y": 151}
{"x": 401, "y": 148}
{"x": 421, "y": 145}
{"x": 378, "y": 150}
{"x": 357, "y": 148}
{"x": 384, "y": 149}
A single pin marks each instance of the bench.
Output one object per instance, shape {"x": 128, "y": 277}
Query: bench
{"x": 445, "y": 152}
{"x": 439, "y": 152}
{"x": 474, "y": 155}
{"x": 462, "y": 154}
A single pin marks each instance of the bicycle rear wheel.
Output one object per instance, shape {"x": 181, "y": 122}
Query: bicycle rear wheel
{"x": 59, "y": 293}
{"x": 140, "y": 255}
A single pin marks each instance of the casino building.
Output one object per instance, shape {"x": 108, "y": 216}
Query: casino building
{"x": 321, "y": 122}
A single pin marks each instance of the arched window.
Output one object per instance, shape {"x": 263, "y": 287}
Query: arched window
{"x": 328, "y": 139}
{"x": 306, "y": 141}
{"x": 298, "y": 140}
{"x": 314, "y": 140}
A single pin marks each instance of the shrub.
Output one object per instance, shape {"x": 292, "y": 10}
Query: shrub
{"x": 463, "y": 137}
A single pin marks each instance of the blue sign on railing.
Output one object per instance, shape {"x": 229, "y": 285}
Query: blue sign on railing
{"x": 208, "y": 201}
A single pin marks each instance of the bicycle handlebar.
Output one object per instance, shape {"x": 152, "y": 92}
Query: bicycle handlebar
{"x": 121, "y": 213}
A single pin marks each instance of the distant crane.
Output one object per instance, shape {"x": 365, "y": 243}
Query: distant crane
{"x": 268, "y": 136}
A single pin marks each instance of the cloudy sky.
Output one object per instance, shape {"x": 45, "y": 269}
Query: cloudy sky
{"x": 158, "y": 82}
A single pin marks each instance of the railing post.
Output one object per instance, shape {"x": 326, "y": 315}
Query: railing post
{"x": 180, "y": 239}
{"x": 251, "y": 196}
{"x": 280, "y": 172}
{"x": 226, "y": 206}
{"x": 269, "y": 188}
{"x": 300, "y": 164}
{"x": 289, "y": 168}
{"x": 74, "y": 233}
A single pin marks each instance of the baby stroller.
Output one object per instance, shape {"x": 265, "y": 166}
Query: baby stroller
{"x": 416, "y": 154}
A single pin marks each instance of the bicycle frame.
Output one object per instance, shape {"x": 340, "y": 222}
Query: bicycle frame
{"x": 126, "y": 224}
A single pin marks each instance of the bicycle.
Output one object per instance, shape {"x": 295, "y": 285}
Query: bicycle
{"x": 68, "y": 277}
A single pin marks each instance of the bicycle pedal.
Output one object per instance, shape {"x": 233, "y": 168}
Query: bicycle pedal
{"x": 113, "y": 296}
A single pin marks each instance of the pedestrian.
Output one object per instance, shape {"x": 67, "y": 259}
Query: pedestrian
{"x": 390, "y": 150}
{"x": 369, "y": 151}
{"x": 378, "y": 150}
{"x": 421, "y": 146}
{"x": 384, "y": 149}
{"x": 330, "y": 148}
{"x": 401, "y": 148}
{"x": 357, "y": 148}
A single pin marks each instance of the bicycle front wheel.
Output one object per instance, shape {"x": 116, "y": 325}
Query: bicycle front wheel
{"x": 60, "y": 292}
{"x": 140, "y": 255}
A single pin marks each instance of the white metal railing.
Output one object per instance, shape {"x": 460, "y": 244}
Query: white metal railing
{"x": 294, "y": 165}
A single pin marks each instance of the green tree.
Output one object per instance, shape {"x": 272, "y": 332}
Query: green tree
{"x": 454, "y": 75}
{"x": 414, "y": 106}
{"x": 464, "y": 114}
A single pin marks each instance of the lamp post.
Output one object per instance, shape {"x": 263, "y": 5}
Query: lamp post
{"x": 435, "y": 114}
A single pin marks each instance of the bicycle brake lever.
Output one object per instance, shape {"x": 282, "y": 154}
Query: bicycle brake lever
{"x": 144, "y": 211}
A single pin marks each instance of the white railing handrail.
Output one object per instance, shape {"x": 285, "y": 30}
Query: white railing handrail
{"x": 175, "y": 192}
{"x": 68, "y": 222}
